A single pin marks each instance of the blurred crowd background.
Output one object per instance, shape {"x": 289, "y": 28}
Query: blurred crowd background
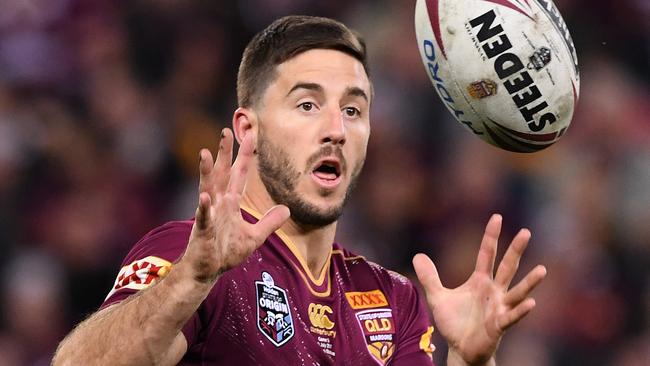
{"x": 105, "y": 104}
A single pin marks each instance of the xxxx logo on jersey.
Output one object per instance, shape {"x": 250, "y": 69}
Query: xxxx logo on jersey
{"x": 140, "y": 274}
{"x": 273, "y": 313}
{"x": 378, "y": 330}
{"x": 366, "y": 300}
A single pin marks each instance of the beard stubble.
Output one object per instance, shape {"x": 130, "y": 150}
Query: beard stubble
{"x": 280, "y": 177}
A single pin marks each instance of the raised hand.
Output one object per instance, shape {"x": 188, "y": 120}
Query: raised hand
{"x": 221, "y": 239}
{"x": 473, "y": 317}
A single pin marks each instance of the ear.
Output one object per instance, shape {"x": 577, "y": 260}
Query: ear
{"x": 244, "y": 121}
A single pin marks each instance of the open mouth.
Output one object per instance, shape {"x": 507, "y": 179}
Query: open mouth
{"x": 328, "y": 172}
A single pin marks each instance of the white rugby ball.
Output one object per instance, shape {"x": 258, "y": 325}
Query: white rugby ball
{"x": 507, "y": 70}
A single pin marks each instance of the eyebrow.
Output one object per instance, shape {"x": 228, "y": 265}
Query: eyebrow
{"x": 308, "y": 86}
{"x": 351, "y": 90}
{"x": 356, "y": 92}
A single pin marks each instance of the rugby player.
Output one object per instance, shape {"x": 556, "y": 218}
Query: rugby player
{"x": 256, "y": 278}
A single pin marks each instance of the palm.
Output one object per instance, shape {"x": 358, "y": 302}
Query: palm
{"x": 466, "y": 316}
{"x": 473, "y": 317}
{"x": 221, "y": 239}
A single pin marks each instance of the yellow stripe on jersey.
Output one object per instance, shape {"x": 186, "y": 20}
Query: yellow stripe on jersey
{"x": 310, "y": 280}
{"x": 340, "y": 252}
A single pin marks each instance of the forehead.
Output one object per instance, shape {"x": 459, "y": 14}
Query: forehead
{"x": 330, "y": 68}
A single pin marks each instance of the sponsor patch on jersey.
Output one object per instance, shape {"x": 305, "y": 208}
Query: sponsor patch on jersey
{"x": 425, "y": 342}
{"x": 366, "y": 300}
{"x": 322, "y": 326}
{"x": 319, "y": 316}
{"x": 140, "y": 274}
{"x": 378, "y": 330}
{"x": 273, "y": 312}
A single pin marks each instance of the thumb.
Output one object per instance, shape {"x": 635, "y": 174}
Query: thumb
{"x": 272, "y": 220}
{"x": 427, "y": 274}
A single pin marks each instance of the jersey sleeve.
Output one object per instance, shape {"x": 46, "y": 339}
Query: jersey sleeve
{"x": 414, "y": 346}
{"x": 149, "y": 261}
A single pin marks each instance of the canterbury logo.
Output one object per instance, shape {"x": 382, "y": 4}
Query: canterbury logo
{"x": 318, "y": 316}
{"x": 365, "y": 300}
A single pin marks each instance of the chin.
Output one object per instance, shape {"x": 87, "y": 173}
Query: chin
{"x": 327, "y": 200}
{"x": 316, "y": 214}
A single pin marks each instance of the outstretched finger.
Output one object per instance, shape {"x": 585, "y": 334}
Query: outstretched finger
{"x": 224, "y": 161}
{"x": 510, "y": 263}
{"x": 206, "y": 177}
{"x": 427, "y": 274}
{"x": 525, "y": 286}
{"x": 514, "y": 315}
{"x": 274, "y": 218}
{"x": 488, "y": 250}
{"x": 202, "y": 216}
{"x": 240, "y": 167}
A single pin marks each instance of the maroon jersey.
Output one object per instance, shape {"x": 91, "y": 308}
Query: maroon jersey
{"x": 270, "y": 310}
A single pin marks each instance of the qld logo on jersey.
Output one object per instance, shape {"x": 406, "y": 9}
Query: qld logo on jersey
{"x": 378, "y": 330}
{"x": 273, "y": 313}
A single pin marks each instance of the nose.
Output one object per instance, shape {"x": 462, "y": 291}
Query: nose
{"x": 334, "y": 128}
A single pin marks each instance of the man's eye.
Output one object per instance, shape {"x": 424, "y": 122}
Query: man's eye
{"x": 352, "y": 112}
{"x": 307, "y": 106}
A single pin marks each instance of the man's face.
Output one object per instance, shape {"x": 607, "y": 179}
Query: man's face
{"x": 313, "y": 133}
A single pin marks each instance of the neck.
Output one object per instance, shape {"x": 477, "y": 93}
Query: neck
{"x": 314, "y": 244}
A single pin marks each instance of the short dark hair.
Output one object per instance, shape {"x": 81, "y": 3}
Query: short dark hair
{"x": 284, "y": 39}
